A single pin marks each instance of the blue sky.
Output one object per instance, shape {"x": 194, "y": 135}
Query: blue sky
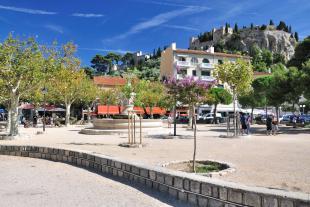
{"x": 98, "y": 26}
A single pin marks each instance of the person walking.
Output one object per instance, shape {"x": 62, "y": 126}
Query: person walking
{"x": 243, "y": 123}
{"x": 269, "y": 124}
{"x": 169, "y": 121}
{"x": 248, "y": 124}
{"x": 274, "y": 126}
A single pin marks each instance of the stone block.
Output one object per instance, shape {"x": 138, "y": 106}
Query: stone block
{"x": 155, "y": 185}
{"x": 18, "y": 153}
{"x": 186, "y": 184}
{"x": 160, "y": 178}
{"x": 152, "y": 175}
{"x": 120, "y": 173}
{"x": 91, "y": 164}
{"x": 144, "y": 173}
{"x": 169, "y": 180}
{"x": 173, "y": 192}
{"x": 79, "y": 161}
{"x": 67, "y": 153}
{"x": 59, "y": 157}
{"x": 202, "y": 201}
{"x": 215, "y": 203}
{"x": 128, "y": 168}
{"x": 12, "y": 153}
{"x": 114, "y": 172}
{"x": 54, "y": 157}
{"x": 48, "y": 156}
{"x": 252, "y": 199}
{"x": 83, "y": 163}
{"x": 118, "y": 165}
{"x": 286, "y": 203}
{"x": 215, "y": 191}
{"x": 65, "y": 158}
{"x": 74, "y": 160}
{"x": 104, "y": 161}
{"x": 126, "y": 175}
{"x": 230, "y": 205}
{"x": 141, "y": 181}
{"x": 182, "y": 196}
{"x": 223, "y": 193}
{"x": 91, "y": 157}
{"x": 178, "y": 182}
{"x": 135, "y": 170}
{"x": 206, "y": 189}
{"x": 163, "y": 188}
{"x": 149, "y": 183}
{"x": 195, "y": 186}
{"x": 192, "y": 199}
{"x": 31, "y": 154}
{"x": 269, "y": 201}
{"x": 235, "y": 196}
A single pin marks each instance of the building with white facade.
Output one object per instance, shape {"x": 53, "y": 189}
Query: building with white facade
{"x": 139, "y": 57}
{"x": 180, "y": 63}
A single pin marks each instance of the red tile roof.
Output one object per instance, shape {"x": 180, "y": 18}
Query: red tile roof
{"x": 202, "y": 52}
{"x": 259, "y": 74}
{"x": 109, "y": 81}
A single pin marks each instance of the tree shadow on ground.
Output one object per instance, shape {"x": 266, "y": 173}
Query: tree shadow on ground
{"x": 85, "y": 143}
{"x": 167, "y": 136}
{"x": 161, "y": 196}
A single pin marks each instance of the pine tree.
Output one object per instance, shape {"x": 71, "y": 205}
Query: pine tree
{"x": 296, "y": 36}
{"x": 226, "y": 28}
{"x": 236, "y": 28}
{"x": 271, "y": 22}
{"x": 252, "y": 26}
{"x": 158, "y": 53}
{"x": 290, "y": 29}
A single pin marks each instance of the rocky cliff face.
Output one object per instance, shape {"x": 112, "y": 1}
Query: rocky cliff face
{"x": 274, "y": 40}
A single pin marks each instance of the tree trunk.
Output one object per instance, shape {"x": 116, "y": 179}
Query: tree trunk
{"x": 13, "y": 111}
{"x": 214, "y": 114}
{"x": 195, "y": 140}
{"x": 252, "y": 112}
{"x": 8, "y": 121}
{"x": 108, "y": 111}
{"x": 235, "y": 117}
{"x": 151, "y": 112}
{"x": 88, "y": 114}
{"x": 68, "y": 107}
{"x": 190, "y": 117}
{"x": 277, "y": 113}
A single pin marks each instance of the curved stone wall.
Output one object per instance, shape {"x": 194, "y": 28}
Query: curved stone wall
{"x": 194, "y": 189}
{"x": 123, "y": 123}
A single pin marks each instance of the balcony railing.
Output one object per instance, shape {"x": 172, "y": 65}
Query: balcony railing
{"x": 207, "y": 78}
{"x": 183, "y": 63}
{"x": 206, "y": 65}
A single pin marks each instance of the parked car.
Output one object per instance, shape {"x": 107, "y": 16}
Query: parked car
{"x": 286, "y": 118}
{"x": 304, "y": 119}
{"x": 208, "y": 118}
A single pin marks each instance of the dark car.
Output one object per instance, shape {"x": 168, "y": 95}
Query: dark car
{"x": 304, "y": 119}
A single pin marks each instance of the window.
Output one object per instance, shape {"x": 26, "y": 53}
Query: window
{"x": 205, "y": 60}
{"x": 220, "y": 62}
{"x": 194, "y": 60}
{"x": 205, "y": 73}
{"x": 182, "y": 59}
{"x": 194, "y": 72}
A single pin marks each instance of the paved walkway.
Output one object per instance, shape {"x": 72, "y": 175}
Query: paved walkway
{"x": 281, "y": 161}
{"x": 32, "y": 182}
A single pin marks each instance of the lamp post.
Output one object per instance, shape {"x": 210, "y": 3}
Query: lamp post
{"x": 303, "y": 108}
{"x": 44, "y": 91}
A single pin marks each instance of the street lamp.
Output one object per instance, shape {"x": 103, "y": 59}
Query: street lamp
{"x": 44, "y": 91}
{"x": 303, "y": 108}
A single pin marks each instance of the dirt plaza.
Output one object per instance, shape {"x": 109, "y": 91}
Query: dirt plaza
{"x": 278, "y": 162}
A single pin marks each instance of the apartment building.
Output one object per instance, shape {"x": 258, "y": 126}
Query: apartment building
{"x": 180, "y": 63}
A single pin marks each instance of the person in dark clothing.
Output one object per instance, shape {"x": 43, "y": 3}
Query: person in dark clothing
{"x": 35, "y": 121}
{"x": 269, "y": 125}
{"x": 243, "y": 122}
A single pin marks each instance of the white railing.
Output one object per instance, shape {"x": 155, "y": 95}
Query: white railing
{"x": 183, "y": 63}
{"x": 206, "y": 65}
{"x": 207, "y": 78}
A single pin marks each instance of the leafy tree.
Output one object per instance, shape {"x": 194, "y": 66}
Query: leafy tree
{"x": 271, "y": 22}
{"x": 66, "y": 87}
{"x": 252, "y": 26}
{"x": 150, "y": 70}
{"x": 127, "y": 59}
{"x": 282, "y": 26}
{"x": 267, "y": 57}
{"x": 263, "y": 27}
{"x": 236, "y": 29}
{"x": 113, "y": 57}
{"x": 191, "y": 93}
{"x": 302, "y": 53}
{"x": 89, "y": 72}
{"x": 251, "y": 100}
{"x": 108, "y": 97}
{"x": 100, "y": 64}
{"x": 278, "y": 58}
{"x": 217, "y": 96}
{"x": 296, "y": 36}
{"x": 158, "y": 53}
{"x": 149, "y": 94}
{"x": 21, "y": 70}
{"x": 226, "y": 28}
{"x": 238, "y": 76}
{"x": 306, "y": 79}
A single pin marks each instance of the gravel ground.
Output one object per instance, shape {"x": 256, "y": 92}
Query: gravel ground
{"x": 281, "y": 161}
{"x": 32, "y": 182}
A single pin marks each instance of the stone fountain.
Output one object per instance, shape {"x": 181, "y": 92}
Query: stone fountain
{"x": 119, "y": 125}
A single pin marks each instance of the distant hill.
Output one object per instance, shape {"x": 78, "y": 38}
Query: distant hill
{"x": 278, "y": 39}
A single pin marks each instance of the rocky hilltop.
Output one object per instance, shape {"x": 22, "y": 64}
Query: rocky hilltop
{"x": 277, "y": 41}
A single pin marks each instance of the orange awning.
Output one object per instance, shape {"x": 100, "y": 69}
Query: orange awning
{"x": 103, "y": 109}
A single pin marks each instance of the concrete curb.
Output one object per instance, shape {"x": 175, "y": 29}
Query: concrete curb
{"x": 197, "y": 190}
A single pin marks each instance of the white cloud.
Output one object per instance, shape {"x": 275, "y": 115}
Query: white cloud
{"x": 157, "y": 21}
{"x": 89, "y": 15}
{"x": 187, "y": 28}
{"x": 27, "y": 11}
{"x": 105, "y": 50}
{"x": 165, "y": 3}
{"x": 54, "y": 28}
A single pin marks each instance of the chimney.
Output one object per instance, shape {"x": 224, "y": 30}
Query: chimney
{"x": 174, "y": 46}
